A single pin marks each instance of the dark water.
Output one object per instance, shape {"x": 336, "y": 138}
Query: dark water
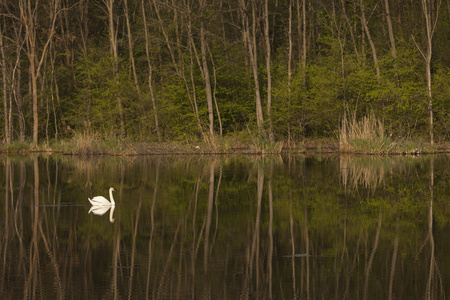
{"x": 233, "y": 227}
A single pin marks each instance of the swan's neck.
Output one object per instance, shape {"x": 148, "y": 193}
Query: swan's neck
{"x": 111, "y": 197}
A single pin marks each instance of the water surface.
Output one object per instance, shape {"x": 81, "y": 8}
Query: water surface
{"x": 225, "y": 227}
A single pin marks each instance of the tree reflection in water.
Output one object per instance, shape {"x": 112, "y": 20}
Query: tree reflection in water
{"x": 225, "y": 227}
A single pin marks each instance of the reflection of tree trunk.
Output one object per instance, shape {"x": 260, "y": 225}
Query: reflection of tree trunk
{"x": 354, "y": 264}
{"x": 394, "y": 257}
{"x": 291, "y": 226}
{"x": 209, "y": 215}
{"x": 115, "y": 266}
{"x": 54, "y": 262}
{"x": 308, "y": 296}
{"x": 255, "y": 242}
{"x": 18, "y": 208}
{"x": 344, "y": 255}
{"x": 31, "y": 284}
{"x": 152, "y": 222}
{"x": 428, "y": 290}
{"x": 133, "y": 247}
{"x": 270, "y": 252}
{"x": 372, "y": 255}
{"x": 217, "y": 207}
{"x": 167, "y": 263}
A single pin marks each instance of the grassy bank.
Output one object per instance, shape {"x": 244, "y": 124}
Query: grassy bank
{"x": 368, "y": 136}
{"x": 96, "y": 144}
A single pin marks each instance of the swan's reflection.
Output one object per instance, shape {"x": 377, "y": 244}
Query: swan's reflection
{"x": 101, "y": 210}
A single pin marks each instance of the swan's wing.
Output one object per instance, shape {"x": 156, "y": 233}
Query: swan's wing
{"x": 99, "y": 200}
{"x": 99, "y": 210}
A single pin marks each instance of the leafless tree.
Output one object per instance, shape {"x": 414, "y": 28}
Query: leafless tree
{"x": 28, "y": 13}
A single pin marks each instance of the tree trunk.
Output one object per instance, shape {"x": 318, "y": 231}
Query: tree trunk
{"x": 150, "y": 73}
{"x": 83, "y": 38}
{"x": 268, "y": 61}
{"x": 214, "y": 94}
{"x": 289, "y": 70}
{"x": 391, "y": 36}
{"x": 209, "y": 98}
{"x": 427, "y": 6}
{"x": 166, "y": 37}
{"x": 34, "y": 93}
{"x": 115, "y": 56}
{"x": 28, "y": 15}
{"x": 350, "y": 28}
{"x": 369, "y": 38}
{"x": 304, "y": 44}
{"x": 130, "y": 46}
{"x": 250, "y": 40}
{"x": 5, "y": 92}
{"x": 19, "y": 104}
{"x": 192, "y": 54}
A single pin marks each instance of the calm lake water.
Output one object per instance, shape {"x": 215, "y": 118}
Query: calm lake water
{"x": 225, "y": 227}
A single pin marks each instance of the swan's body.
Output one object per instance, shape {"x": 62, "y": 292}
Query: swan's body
{"x": 102, "y": 201}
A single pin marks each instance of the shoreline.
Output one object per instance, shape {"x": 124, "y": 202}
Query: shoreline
{"x": 128, "y": 148}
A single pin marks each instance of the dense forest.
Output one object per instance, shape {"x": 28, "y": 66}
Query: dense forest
{"x": 157, "y": 70}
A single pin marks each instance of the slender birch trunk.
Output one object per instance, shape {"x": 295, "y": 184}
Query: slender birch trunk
{"x": 431, "y": 22}
{"x": 249, "y": 37}
{"x": 150, "y": 73}
{"x": 371, "y": 43}
{"x": 207, "y": 79}
{"x": 268, "y": 61}
{"x": 391, "y": 35}
{"x": 28, "y": 14}
{"x": 115, "y": 56}
{"x": 304, "y": 43}
{"x": 289, "y": 70}
{"x": 5, "y": 93}
{"x": 131, "y": 52}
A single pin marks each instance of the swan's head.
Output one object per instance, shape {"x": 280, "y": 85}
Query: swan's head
{"x": 111, "y": 189}
{"x": 112, "y": 221}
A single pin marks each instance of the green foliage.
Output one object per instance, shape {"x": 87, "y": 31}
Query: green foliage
{"x": 339, "y": 72}
{"x": 441, "y": 105}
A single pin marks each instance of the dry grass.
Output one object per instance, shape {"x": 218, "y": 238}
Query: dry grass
{"x": 365, "y": 136}
{"x": 368, "y": 136}
{"x": 90, "y": 144}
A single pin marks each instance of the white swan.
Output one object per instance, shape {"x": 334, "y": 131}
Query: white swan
{"x": 102, "y": 201}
